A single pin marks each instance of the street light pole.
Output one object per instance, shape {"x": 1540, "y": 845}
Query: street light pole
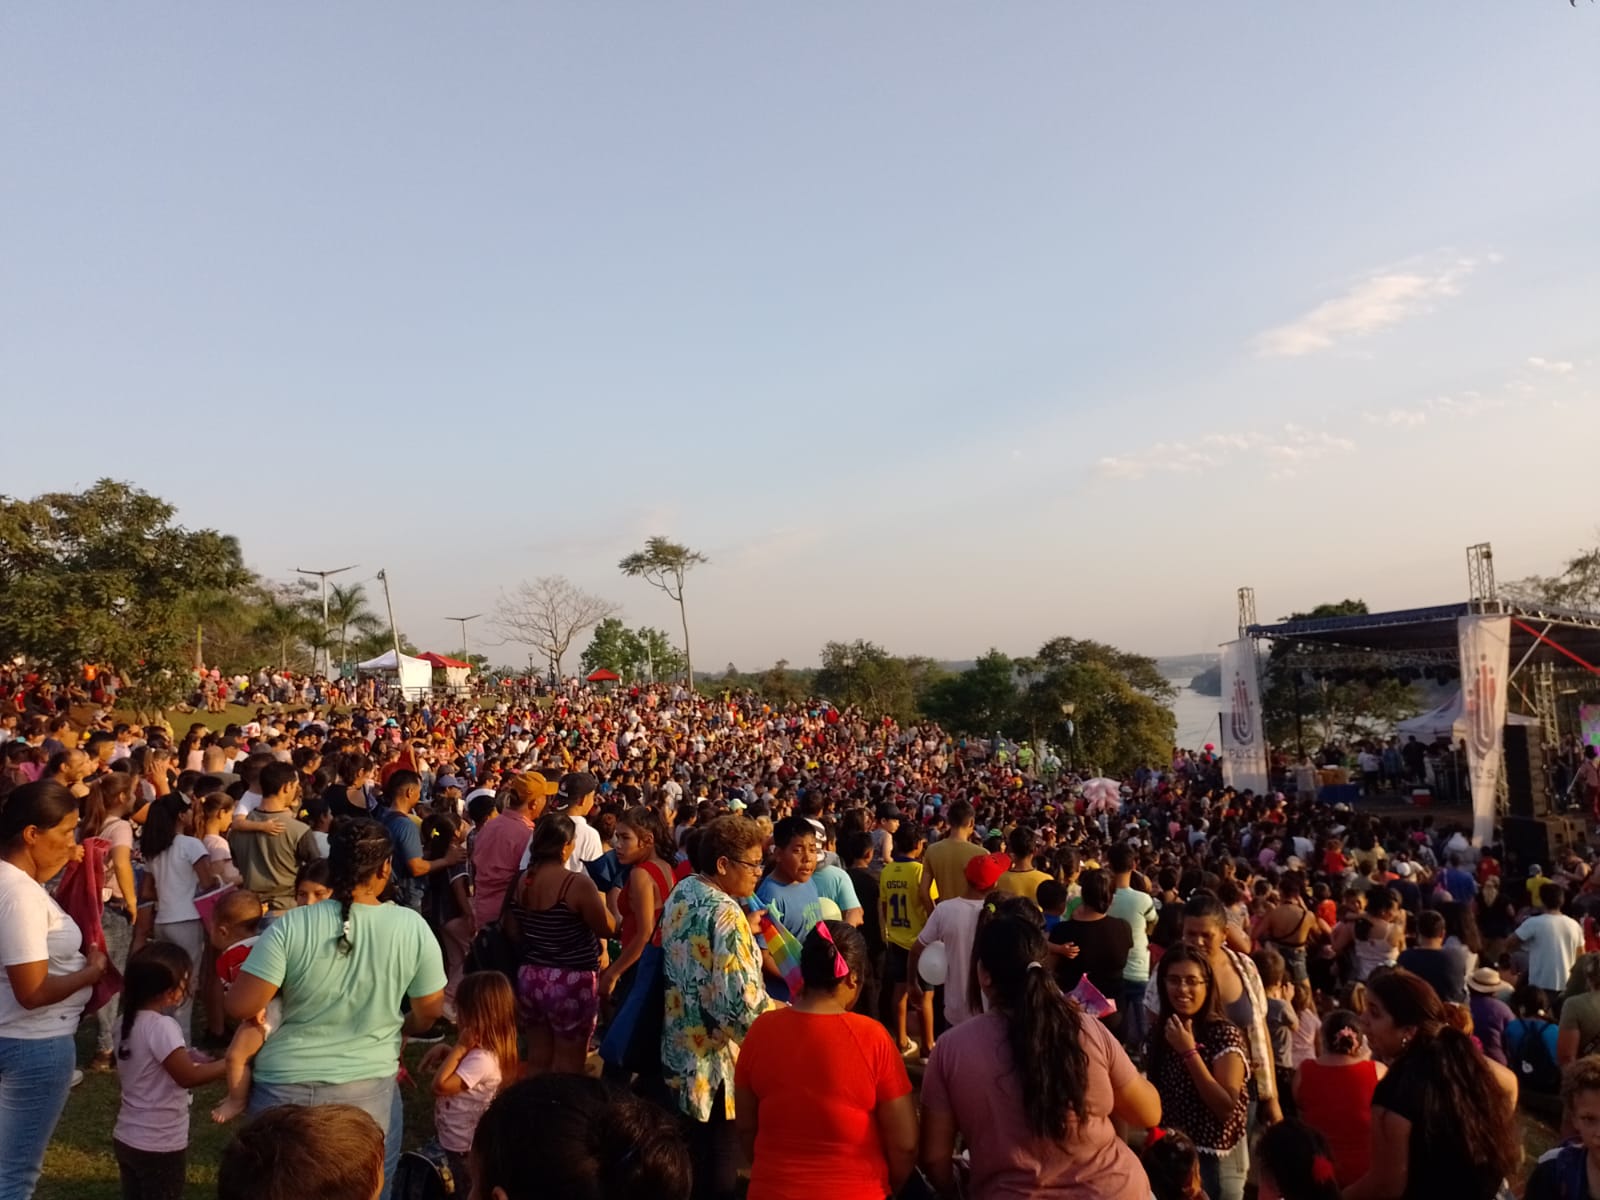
{"x": 327, "y": 653}
{"x": 464, "y": 621}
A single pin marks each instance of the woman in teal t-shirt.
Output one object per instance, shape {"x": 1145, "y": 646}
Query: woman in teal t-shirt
{"x": 342, "y": 969}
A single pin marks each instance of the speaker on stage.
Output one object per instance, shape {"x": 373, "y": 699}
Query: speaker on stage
{"x": 1527, "y": 787}
{"x": 1539, "y": 839}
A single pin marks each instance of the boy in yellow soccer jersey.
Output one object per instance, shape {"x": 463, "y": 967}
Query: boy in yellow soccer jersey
{"x": 902, "y": 914}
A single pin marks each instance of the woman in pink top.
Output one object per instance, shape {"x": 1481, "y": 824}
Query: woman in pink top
{"x": 1031, "y": 1087}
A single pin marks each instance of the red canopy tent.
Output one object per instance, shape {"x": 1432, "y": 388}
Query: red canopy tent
{"x": 604, "y": 676}
{"x": 442, "y": 661}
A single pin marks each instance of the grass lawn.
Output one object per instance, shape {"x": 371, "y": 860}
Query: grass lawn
{"x": 79, "y": 1164}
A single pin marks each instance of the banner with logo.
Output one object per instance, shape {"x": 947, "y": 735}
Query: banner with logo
{"x": 1244, "y": 747}
{"x": 1485, "y": 643}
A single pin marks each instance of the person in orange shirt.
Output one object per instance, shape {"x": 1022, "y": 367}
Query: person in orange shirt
{"x": 821, "y": 1097}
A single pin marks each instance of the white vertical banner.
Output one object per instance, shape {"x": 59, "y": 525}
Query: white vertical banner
{"x": 1485, "y": 644}
{"x": 1244, "y": 747}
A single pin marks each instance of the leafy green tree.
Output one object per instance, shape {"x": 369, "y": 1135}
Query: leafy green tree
{"x": 664, "y": 564}
{"x": 981, "y": 700}
{"x": 864, "y": 674}
{"x": 779, "y": 685}
{"x": 1119, "y": 703}
{"x": 105, "y": 576}
{"x": 1307, "y": 702}
{"x": 1577, "y": 585}
{"x": 634, "y": 654}
{"x": 349, "y": 610}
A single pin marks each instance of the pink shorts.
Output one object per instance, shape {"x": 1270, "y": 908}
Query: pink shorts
{"x": 565, "y": 1000}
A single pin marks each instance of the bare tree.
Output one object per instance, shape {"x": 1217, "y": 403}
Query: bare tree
{"x": 548, "y": 614}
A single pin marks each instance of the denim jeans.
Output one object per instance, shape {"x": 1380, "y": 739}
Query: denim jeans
{"x": 191, "y": 935}
{"x": 1223, "y": 1175}
{"x": 1135, "y": 1016}
{"x": 119, "y": 937}
{"x": 35, "y": 1077}
{"x": 378, "y": 1098}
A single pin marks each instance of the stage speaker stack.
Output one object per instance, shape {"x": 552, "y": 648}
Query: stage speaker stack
{"x": 1527, "y": 785}
{"x": 1539, "y": 840}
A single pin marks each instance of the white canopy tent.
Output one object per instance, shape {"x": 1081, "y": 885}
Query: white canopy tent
{"x": 413, "y": 676}
{"x": 1446, "y": 722}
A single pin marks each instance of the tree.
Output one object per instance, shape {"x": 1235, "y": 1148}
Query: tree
{"x": 864, "y": 674}
{"x": 105, "y": 576}
{"x": 548, "y": 614}
{"x": 663, "y": 564}
{"x": 349, "y": 609}
{"x": 1118, "y": 703}
{"x": 981, "y": 700}
{"x": 634, "y": 654}
{"x": 284, "y": 624}
{"x": 1576, "y": 586}
{"x": 1308, "y": 702}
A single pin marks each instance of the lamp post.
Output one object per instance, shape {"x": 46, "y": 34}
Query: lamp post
{"x": 327, "y": 651}
{"x": 1067, "y": 710}
{"x": 464, "y": 621}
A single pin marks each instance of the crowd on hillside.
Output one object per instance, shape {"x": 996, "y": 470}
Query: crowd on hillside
{"x": 770, "y": 924}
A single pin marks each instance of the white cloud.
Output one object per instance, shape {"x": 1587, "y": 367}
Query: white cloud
{"x": 1397, "y": 418}
{"x": 1284, "y": 450}
{"x": 1367, "y": 306}
{"x": 1555, "y": 367}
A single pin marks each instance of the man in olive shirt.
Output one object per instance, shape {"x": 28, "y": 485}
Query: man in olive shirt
{"x": 269, "y": 862}
{"x": 945, "y": 862}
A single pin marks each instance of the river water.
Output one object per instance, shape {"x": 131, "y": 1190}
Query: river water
{"x": 1196, "y": 716}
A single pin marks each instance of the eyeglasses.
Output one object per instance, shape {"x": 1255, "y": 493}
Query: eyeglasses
{"x": 749, "y": 866}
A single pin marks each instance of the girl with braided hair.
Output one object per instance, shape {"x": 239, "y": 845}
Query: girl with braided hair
{"x": 342, "y": 969}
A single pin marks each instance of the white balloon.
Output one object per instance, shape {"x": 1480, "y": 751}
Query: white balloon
{"x": 829, "y": 910}
{"x": 934, "y": 965}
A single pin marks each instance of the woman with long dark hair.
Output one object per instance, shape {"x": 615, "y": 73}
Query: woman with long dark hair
{"x": 343, "y": 971}
{"x": 1032, "y": 1085}
{"x": 1442, "y": 1124}
{"x": 178, "y": 868}
{"x": 46, "y": 981}
{"x": 1198, "y": 1061}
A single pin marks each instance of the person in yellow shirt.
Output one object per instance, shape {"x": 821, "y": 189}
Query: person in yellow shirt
{"x": 1022, "y": 879}
{"x": 946, "y": 861}
{"x": 902, "y": 912}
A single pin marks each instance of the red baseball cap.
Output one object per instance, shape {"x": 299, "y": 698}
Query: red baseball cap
{"x": 984, "y": 871}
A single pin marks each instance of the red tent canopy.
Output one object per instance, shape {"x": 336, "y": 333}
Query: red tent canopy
{"x": 441, "y": 661}
{"x": 603, "y": 676}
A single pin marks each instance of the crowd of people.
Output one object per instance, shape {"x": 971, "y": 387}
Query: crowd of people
{"x": 815, "y": 951}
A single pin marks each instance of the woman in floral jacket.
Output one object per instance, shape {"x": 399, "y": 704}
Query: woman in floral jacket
{"x": 714, "y": 993}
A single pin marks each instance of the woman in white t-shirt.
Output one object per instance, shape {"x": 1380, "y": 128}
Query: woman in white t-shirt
{"x": 105, "y": 815}
{"x": 46, "y": 981}
{"x": 178, "y": 867}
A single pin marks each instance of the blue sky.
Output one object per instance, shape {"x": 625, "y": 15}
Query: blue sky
{"x": 941, "y": 326}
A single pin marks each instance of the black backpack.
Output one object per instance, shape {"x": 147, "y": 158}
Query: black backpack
{"x": 492, "y": 949}
{"x": 424, "y": 1174}
{"x": 1536, "y": 1067}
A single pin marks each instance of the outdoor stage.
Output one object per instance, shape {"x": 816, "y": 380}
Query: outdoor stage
{"x": 1509, "y": 655}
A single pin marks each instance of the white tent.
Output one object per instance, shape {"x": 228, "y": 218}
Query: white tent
{"x": 1445, "y": 722}
{"x": 414, "y": 675}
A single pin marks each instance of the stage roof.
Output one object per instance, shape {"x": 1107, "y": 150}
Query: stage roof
{"x": 1432, "y": 631}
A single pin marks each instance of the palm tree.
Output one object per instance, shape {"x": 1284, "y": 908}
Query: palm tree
{"x": 347, "y": 610}
{"x": 283, "y": 624}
